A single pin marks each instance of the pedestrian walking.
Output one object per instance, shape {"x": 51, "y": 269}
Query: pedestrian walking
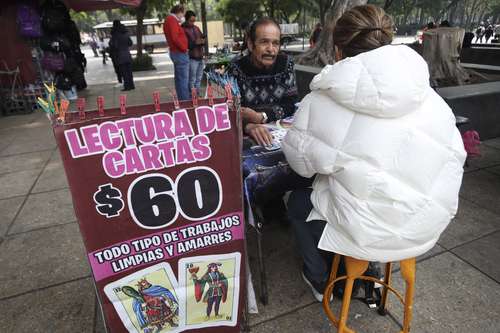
{"x": 102, "y": 48}
{"x": 93, "y": 46}
{"x": 120, "y": 42}
{"x": 196, "y": 42}
{"x": 488, "y": 33}
{"x": 480, "y": 30}
{"x": 113, "y": 51}
{"x": 177, "y": 41}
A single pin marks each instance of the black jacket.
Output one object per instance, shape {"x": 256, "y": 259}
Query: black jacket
{"x": 119, "y": 46}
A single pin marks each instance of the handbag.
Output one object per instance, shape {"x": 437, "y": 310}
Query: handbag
{"x": 53, "y": 61}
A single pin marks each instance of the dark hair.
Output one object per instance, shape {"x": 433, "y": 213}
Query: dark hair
{"x": 431, "y": 25}
{"x": 444, "y": 23}
{"x": 362, "y": 29}
{"x": 188, "y": 14}
{"x": 177, "y": 9}
{"x": 252, "y": 31}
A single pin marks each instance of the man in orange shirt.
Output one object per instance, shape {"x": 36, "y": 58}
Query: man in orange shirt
{"x": 177, "y": 41}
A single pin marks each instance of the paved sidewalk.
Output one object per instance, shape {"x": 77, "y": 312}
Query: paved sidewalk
{"x": 45, "y": 283}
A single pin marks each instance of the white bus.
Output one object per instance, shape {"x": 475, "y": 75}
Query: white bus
{"x": 152, "y": 36}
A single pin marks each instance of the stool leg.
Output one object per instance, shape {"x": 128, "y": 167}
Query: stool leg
{"x": 335, "y": 268}
{"x": 408, "y": 273}
{"x": 385, "y": 290}
{"x": 355, "y": 268}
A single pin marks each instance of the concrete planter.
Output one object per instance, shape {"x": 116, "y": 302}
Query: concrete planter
{"x": 481, "y": 55}
{"x": 478, "y": 102}
{"x": 304, "y": 76}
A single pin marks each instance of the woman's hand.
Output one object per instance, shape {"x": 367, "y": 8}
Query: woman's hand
{"x": 251, "y": 116}
{"x": 259, "y": 134}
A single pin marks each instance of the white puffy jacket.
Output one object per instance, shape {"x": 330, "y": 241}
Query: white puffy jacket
{"x": 386, "y": 152}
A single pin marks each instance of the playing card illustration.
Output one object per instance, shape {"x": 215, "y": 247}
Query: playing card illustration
{"x": 212, "y": 289}
{"x": 148, "y": 300}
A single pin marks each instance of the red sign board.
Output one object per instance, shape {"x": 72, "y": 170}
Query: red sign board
{"x": 157, "y": 194}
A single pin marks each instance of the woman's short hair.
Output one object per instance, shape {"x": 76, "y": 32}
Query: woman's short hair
{"x": 361, "y": 29}
{"x": 177, "y": 9}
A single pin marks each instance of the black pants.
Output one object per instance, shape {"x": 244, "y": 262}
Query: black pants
{"x": 316, "y": 262}
{"x": 117, "y": 69}
{"x": 126, "y": 73}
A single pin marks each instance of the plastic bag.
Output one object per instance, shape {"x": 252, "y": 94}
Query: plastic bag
{"x": 471, "y": 143}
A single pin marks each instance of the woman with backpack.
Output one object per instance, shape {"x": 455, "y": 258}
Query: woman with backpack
{"x": 384, "y": 148}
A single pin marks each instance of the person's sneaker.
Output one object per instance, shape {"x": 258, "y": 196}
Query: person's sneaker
{"x": 316, "y": 288}
{"x": 372, "y": 291}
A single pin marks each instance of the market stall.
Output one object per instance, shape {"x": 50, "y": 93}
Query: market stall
{"x": 42, "y": 44}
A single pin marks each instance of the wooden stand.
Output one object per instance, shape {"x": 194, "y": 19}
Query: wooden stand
{"x": 355, "y": 269}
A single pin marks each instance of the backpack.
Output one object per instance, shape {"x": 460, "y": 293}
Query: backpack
{"x": 28, "y": 21}
{"x": 53, "y": 61}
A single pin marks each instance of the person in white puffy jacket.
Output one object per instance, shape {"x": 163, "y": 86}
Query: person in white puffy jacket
{"x": 384, "y": 147}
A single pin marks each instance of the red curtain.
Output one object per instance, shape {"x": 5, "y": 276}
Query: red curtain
{"x": 15, "y": 50}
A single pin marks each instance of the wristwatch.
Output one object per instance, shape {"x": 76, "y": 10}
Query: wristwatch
{"x": 264, "y": 117}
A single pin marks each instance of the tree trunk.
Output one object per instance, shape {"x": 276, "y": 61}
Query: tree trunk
{"x": 141, "y": 11}
{"x": 271, "y": 8}
{"x": 323, "y": 8}
{"x": 453, "y": 13}
{"x": 421, "y": 17}
{"x": 387, "y": 4}
{"x": 203, "y": 8}
{"x": 441, "y": 51}
{"x": 323, "y": 52}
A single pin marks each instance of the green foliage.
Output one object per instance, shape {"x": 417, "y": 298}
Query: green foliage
{"x": 244, "y": 11}
{"x": 462, "y": 13}
{"x": 85, "y": 21}
{"x": 142, "y": 63}
{"x": 239, "y": 11}
{"x": 158, "y": 8}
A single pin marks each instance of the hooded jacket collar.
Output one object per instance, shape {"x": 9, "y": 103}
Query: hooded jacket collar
{"x": 388, "y": 82}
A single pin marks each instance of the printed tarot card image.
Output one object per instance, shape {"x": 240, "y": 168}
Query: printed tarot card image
{"x": 211, "y": 289}
{"x": 147, "y": 301}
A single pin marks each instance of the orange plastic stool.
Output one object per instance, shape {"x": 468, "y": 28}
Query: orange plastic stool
{"x": 355, "y": 268}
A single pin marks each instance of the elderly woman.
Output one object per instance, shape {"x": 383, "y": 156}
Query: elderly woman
{"x": 383, "y": 146}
